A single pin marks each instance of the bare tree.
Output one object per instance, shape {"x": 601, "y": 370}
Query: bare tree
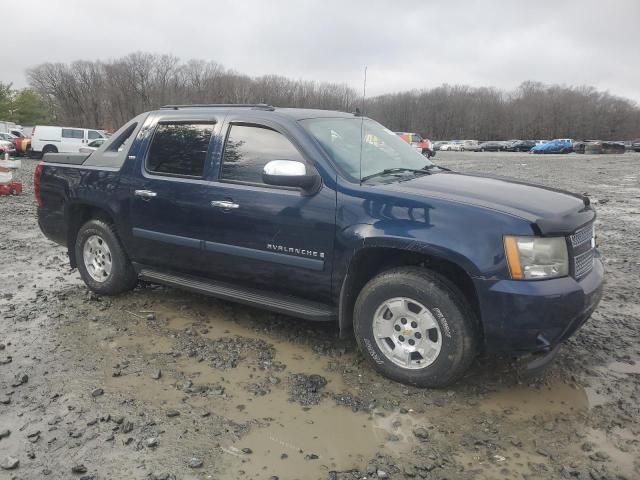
{"x": 107, "y": 94}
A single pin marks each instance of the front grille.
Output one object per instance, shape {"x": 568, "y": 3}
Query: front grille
{"x": 583, "y": 263}
{"x": 582, "y": 236}
{"x": 583, "y": 251}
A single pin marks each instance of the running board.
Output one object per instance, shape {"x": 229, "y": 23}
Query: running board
{"x": 269, "y": 301}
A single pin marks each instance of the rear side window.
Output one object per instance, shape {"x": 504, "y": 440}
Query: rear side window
{"x": 249, "y": 148}
{"x": 179, "y": 149}
{"x": 72, "y": 133}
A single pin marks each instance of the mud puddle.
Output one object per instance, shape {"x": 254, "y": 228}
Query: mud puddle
{"x": 526, "y": 402}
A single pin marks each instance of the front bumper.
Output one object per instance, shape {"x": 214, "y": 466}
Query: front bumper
{"x": 534, "y": 316}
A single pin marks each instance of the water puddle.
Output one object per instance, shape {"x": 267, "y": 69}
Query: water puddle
{"x": 525, "y": 401}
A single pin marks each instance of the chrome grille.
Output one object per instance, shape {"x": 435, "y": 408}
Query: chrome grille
{"x": 583, "y": 251}
{"x": 582, "y": 236}
{"x": 583, "y": 263}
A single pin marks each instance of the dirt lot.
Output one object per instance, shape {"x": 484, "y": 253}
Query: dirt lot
{"x": 162, "y": 384}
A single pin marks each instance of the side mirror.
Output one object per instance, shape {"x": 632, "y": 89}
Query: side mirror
{"x": 290, "y": 173}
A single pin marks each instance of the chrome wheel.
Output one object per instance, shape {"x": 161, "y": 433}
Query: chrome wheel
{"x": 97, "y": 258}
{"x": 407, "y": 333}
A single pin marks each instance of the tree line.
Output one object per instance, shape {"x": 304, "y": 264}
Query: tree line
{"x": 24, "y": 106}
{"x": 99, "y": 94}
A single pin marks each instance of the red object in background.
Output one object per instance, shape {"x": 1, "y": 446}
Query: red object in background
{"x": 13, "y": 188}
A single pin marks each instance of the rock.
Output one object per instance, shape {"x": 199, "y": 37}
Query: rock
{"x": 311, "y": 456}
{"x": 20, "y": 379}
{"x": 172, "y": 413}
{"x": 600, "y": 457}
{"x": 382, "y": 474}
{"x": 96, "y": 392}
{"x": 247, "y": 450}
{"x": 306, "y": 389}
{"x": 195, "y": 462}
{"x": 127, "y": 427}
{"x": 79, "y": 468}
{"x": 151, "y": 442}
{"x": 156, "y": 374}
{"x": 421, "y": 433}
{"x": 410, "y": 471}
{"x": 4, "y": 433}
{"x": 587, "y": 446}
{"x": 10, "y": 463}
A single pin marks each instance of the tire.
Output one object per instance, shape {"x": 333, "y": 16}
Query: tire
{"x": 102, "y": 245}
{"x": 448, "y": 319}
{"x": 49, "y": 149}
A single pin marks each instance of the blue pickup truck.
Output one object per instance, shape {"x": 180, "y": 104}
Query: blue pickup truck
{"x": 328, "y": 216}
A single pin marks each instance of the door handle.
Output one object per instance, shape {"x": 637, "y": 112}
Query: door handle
{"x": 224, "y": 204}
{"x": 145, "y": 193}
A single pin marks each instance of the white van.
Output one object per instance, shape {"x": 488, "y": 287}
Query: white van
{"x": 45, "y": 139}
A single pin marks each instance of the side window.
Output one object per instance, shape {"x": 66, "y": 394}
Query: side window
{"x": 179, "y": 149}
{"x": 92, "y": 135}
{"x": 72, "y": 133}
{"x": 250, "y": 148}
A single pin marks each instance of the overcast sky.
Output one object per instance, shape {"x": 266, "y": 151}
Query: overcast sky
{"x": 406, "y": 44}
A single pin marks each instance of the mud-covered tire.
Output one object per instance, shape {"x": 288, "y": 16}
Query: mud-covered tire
{"x": 446, "y": 304}
{"x": 121, "y": 277}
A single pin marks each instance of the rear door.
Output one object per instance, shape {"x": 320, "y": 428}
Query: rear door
{"x": 170, "y": 202}
{"x": 72, "y": 139}
{"x": 275, "y": 238}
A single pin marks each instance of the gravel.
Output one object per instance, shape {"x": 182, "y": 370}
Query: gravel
{"x": 178, "y": 389}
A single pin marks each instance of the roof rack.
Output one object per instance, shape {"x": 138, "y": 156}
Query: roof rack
{"x": 253, "y": 106}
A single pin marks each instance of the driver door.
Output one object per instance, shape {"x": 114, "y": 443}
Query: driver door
{"x": 270, "y": 237}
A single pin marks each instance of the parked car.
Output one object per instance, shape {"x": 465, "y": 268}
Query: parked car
{"x": 452, "y": 145}
{"x": 470, "y": 146}
{"x": 7, "y": 147}
{"x": 491, "y": 146}
{"x": 10, "y": 127}
{"x": 613, "y": 148}
{"x": 422, "y": 145}
{"x": 47, "y": 139}
{"x": 438, "y": 144}
{"x": 93, "y": 146}
{"x": 9, "y": 137}
{"x": 288, "y": 210}
{"x": 560, "y": 145}
{"x": 635, "y": 145}
{"x": 520, "y": 146}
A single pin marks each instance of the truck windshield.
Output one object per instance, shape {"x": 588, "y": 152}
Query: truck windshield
{"x": 382, "y": 150}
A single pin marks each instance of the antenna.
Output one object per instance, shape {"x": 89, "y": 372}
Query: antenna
{"x": 364, "y": 95}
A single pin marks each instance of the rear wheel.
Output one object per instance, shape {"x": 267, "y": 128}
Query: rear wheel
{"x": 102, "y": 262}
{"x": 49, "y": 149}
{"x": 415, "y": 327}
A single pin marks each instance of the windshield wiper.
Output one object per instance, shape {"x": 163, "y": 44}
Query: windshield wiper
{"x": 388, "y": 171}
{"x": 433, "y": 165}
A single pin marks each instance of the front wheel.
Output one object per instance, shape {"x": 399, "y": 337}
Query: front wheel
{"x": 102, "y": 262}
{"x": 415, "y": 327}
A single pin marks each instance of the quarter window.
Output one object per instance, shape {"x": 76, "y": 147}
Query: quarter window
{"x": 179, "y": 149}
{"x": 249, "y": 148}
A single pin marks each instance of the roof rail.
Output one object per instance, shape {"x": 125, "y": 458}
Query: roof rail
{"x": 253, "y": 106}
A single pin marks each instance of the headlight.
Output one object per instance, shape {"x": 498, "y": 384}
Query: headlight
{"x": 531, "y": 258}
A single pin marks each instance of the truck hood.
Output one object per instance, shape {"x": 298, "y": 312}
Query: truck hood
{"x": 550, "y": 211}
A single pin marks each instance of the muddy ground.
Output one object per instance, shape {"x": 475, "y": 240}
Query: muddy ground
{"x": 162, "y": 384}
